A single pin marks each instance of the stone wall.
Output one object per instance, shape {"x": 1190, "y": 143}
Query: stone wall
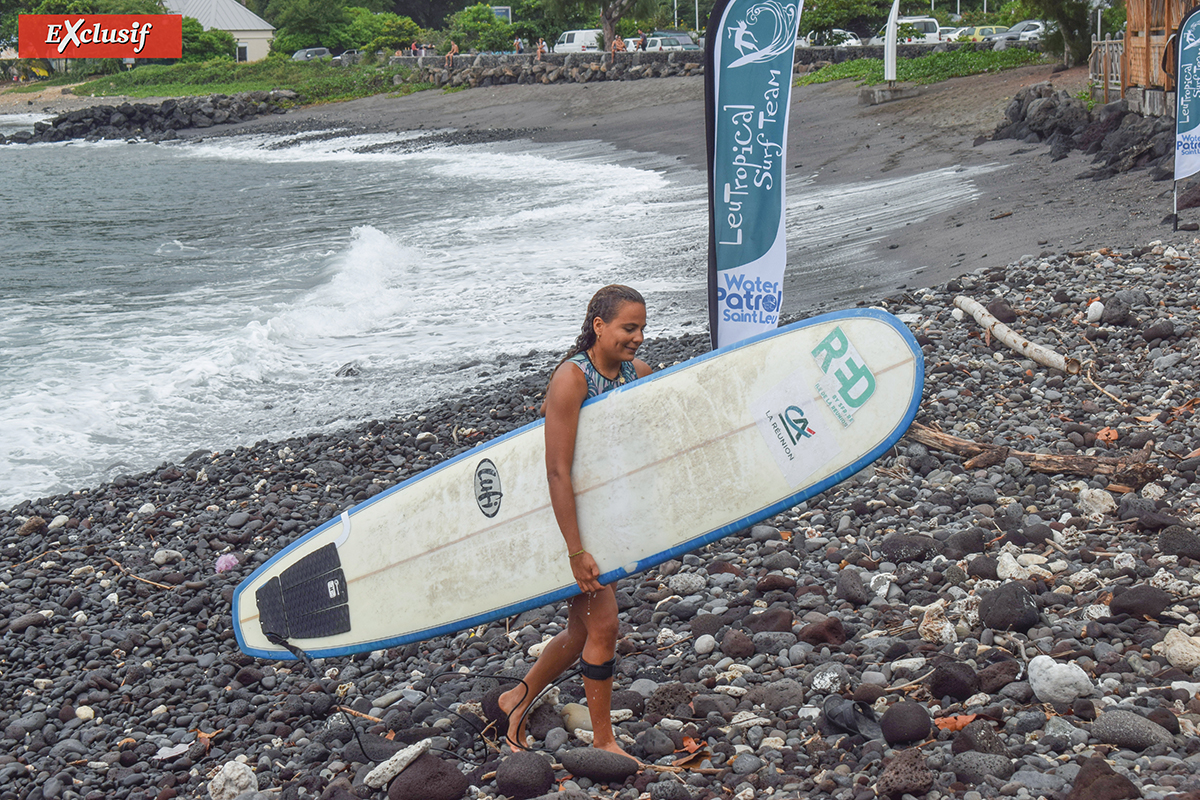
{"x": 491, "y": 70}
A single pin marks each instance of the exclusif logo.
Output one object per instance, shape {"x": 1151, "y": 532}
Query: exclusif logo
{"x": 100, "y": 36}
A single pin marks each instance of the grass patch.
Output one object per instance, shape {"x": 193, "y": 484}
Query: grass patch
{"x": 930, "y": 68}
{"x": 314, "y": 82}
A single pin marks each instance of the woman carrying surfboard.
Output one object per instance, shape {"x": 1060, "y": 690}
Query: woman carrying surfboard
{"x": 602, "y": 358}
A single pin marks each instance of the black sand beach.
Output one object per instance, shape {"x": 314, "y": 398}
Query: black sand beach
{"x": 1022, "y": 570}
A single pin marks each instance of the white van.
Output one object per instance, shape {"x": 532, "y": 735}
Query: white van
{"x": 579, "y": 41}
{"x": 926, "y": 26}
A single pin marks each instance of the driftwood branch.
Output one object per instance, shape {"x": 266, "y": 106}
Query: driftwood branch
{"x": 982, "y": 455}
{"x": 1015, "y": 341}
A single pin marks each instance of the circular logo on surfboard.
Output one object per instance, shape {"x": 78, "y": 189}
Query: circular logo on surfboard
{"x": 487, "y": 488}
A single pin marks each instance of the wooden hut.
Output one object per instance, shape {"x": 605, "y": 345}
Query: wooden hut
{"x": 1132, "y": 67}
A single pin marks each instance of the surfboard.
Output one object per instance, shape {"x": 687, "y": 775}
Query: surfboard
{"x": 663, "y": 465}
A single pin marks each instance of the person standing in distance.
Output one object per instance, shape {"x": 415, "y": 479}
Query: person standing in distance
{"x": 603, "y": 357}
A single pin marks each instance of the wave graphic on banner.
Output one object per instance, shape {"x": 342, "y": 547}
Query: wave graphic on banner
{"x": 783, "y": 38}
{"x": 749, "y": 51}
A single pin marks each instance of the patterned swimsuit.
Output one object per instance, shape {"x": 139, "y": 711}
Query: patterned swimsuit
{"x": 597, "y": 383}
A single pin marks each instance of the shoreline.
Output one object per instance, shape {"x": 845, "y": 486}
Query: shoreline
{"x": 832, "y": 141}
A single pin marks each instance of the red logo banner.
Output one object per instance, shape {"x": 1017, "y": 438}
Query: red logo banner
{"x": 100, "y": 35}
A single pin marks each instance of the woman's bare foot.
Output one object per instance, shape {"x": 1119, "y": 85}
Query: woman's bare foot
{"x": 514, "y": 703}
{"x": 613, "y": 747}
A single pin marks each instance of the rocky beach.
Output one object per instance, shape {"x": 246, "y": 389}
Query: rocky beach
{"x": 1005, "y": 605}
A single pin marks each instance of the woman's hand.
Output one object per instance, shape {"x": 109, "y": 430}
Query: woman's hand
{"x": 586, "y": 572}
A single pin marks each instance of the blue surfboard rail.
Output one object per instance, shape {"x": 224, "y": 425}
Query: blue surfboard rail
{"x": 611, "y": 576}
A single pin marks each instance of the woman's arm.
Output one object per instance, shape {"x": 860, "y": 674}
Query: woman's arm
{"x": 568, "y": 390}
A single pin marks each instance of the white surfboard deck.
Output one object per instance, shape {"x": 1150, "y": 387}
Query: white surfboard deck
{"x": 662, "y": 466}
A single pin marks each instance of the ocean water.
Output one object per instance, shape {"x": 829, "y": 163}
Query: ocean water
{"x": 162, "y": 299}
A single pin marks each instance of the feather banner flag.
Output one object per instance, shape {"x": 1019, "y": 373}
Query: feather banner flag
{"x": 749, "y": 53}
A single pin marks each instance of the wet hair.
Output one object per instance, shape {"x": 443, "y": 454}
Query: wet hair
{"x": 604, "y": 304}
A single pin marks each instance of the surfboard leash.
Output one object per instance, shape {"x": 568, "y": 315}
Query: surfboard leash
{"x": 276, "y": 639}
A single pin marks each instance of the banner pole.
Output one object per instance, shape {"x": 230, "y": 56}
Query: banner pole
{"x": 1175, "y": 206}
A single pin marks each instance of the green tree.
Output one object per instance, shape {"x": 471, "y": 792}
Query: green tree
{"x": 9, "y": 9}
{"x": 530, "y": 22}
{"x": 479, "y": 28}
{"x": 397, "y": 33}
{"x": 305, "y": 23}
{"x": 1070, "y": 34}
{"x": 202, "y": 45}
{"x": 361, "y": 26}
{"x": 128, "y": 7}
{"x": 852, "y": 15}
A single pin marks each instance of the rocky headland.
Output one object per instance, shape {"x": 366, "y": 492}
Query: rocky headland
{"x": 1117, "y": 139}
{"x": 1005, "y": 605}
{"x": 155, "y": 122}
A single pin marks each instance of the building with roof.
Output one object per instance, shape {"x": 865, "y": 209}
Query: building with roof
{"x": 253, "y": 33}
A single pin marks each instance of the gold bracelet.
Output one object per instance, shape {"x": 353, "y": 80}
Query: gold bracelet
{"x": 572, "y": 555}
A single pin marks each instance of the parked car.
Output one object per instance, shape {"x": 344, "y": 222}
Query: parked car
{"x": 1030, "y": 30}
{"x": 927, "y": 29}
{"x": 948, "y": 34}
{"x": 835, "y": 37}
{"x": 656, "y": 44}
{"x": 683, "y": 37}
{"x": 311, "y": 54}
{"x": 579, "y": 41}
{"x": 977, "y": 33}
{"x": 354, "y": 56}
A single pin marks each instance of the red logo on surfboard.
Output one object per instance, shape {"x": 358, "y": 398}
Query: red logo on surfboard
{"x": 100, "y": 35}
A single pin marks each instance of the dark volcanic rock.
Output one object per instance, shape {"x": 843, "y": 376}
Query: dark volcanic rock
{"x": 1000, "y": 309}
{"x": 905, "y": 721}
{"x": 1096, "y": 780}
{"x": 907, "y": 773}
{"x": 523, "y": 775}
{"x": 850, "y": 587}
{"x": 737, "y": 644}
{"x": 1176, "y": 540}
{"x": 428, "y": 778}
{"x": 963, "y": 543}
{"x": 777, "y": 694}
{"x": 995, "y": 677}
{"x": 979, "y": 736}
{"x": 599, "y": 765}
{"x": 1128, "y": 729}
{"x": 973, "y": 767}
{"x": 828, "y": 631}
{"x": 901, "y": 547}
{"x": 956, "y": 680}
{"x": 1009, "y": 608}
{"x": 772, "y": 619}
{"x": 1140, "y": 601}
{"x": 983, "y": 567}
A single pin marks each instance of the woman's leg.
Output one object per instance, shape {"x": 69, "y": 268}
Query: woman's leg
{"x": 561, "y": 652}
{"x": 599, "y": 611}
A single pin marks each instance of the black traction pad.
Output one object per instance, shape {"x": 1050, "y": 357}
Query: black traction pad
{"x": 308, "y": 600}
